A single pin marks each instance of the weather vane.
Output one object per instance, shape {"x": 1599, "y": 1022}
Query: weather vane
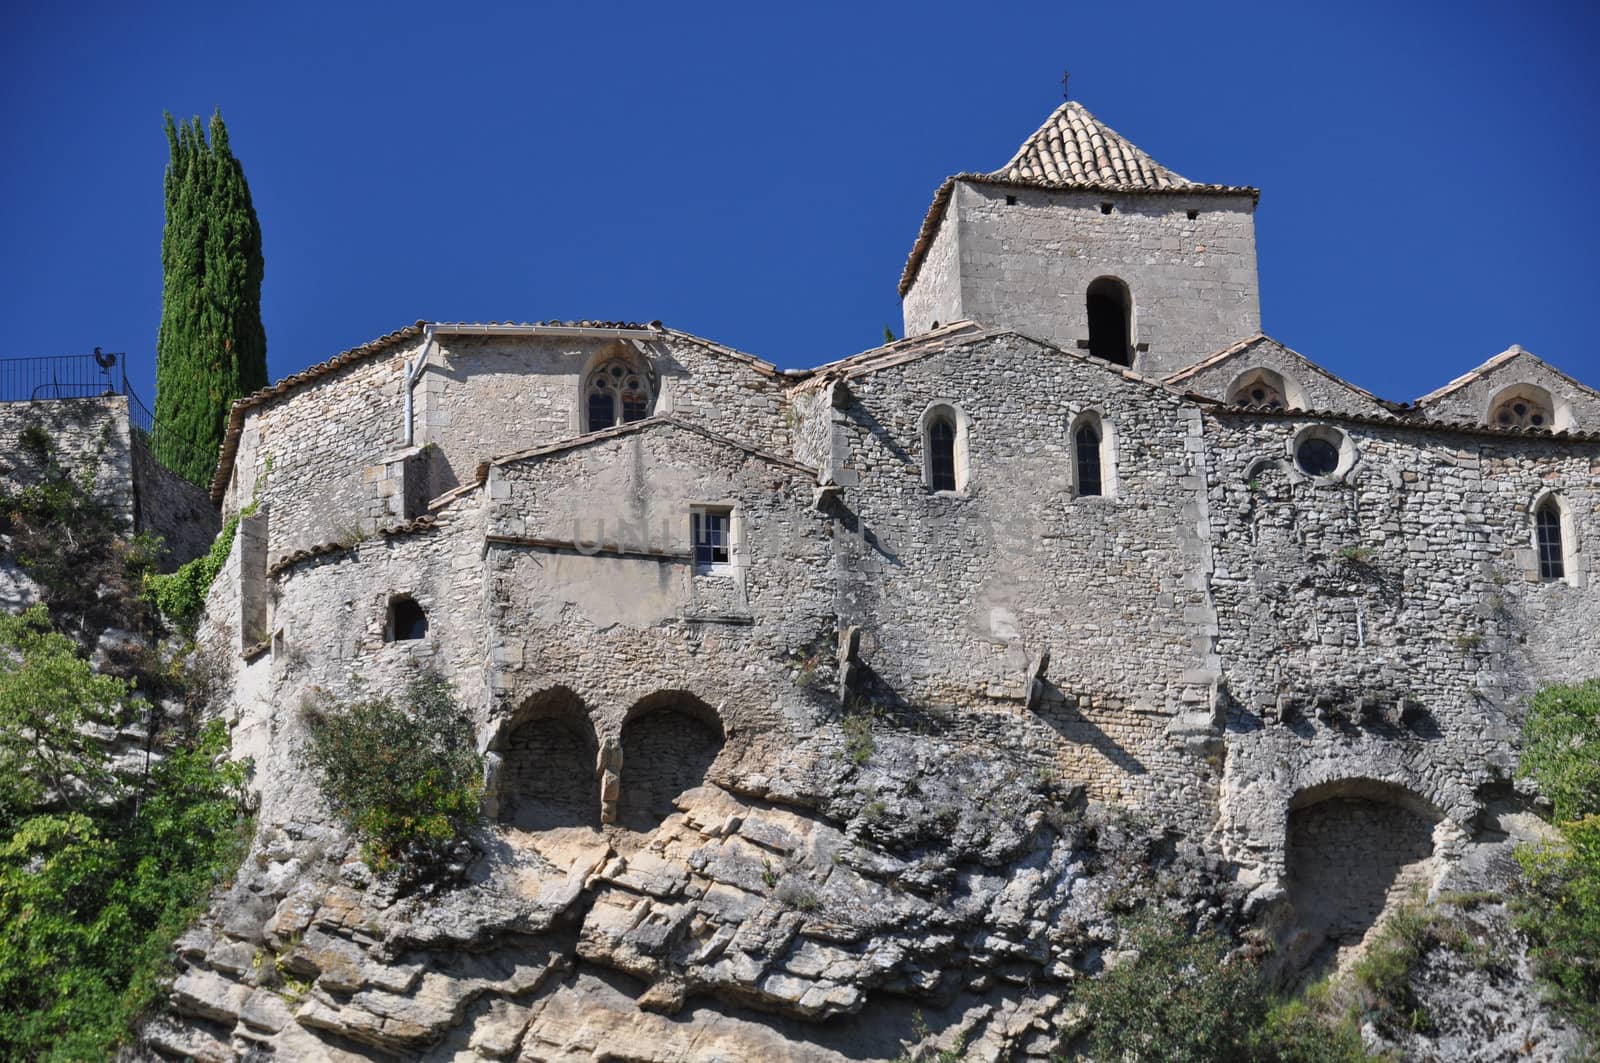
{"x": 1065, "y": 74}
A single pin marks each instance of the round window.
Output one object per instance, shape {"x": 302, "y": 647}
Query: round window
{"x": 1316, "y": 456}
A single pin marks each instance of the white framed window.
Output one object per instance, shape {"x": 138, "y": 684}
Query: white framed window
{"x": 711, "y": 531}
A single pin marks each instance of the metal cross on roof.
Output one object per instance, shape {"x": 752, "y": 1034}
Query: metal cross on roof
{"x": 1065, "y": 74}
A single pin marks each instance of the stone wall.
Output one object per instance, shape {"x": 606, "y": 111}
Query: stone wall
{"x": 1352, "y": 858}
{"x": 1308, "y": 386}
{"x": 94, "y": 437}
{"x": 1027, "y": 266}
{"x": 666, "y": 750}
{"x": 935, "y": 294}
{"x": 1576, "y": 407}
{"x": 958, "y": 594}
{"x": 1387, "y": 622}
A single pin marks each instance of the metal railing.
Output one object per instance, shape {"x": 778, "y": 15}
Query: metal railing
{"x": 83, "y": 376}
{"x": 63, "y": 376}
{"x": 166, "y": 446}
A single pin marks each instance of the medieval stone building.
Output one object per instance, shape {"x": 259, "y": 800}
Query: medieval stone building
{"x": 1085, "y": 519}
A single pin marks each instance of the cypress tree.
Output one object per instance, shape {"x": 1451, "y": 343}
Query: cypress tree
{"x": 211, "y": 348}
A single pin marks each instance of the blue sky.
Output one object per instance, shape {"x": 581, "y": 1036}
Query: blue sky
{"x": 756, "y": 173}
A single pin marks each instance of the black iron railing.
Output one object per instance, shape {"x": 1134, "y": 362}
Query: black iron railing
{"x": 63, "y": 376}
{"x": 83, "y": 376}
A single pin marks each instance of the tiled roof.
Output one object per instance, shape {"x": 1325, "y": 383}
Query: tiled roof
{"x": 1477, "y": 373}
{"x": 1073, "y": 147}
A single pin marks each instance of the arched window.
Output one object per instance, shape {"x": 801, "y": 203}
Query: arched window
{"x": 1522, "y": 406}
{"x": 1093, "y": 457}
{"x": 407, "y": 622}
{"x": 1086, "y": 442}
{"x": 1263, "y": 388}
{"x": 617, "y": 393}
{"x": 1110, "y": 307}
{"x": 1547, "y": 539}
{"x": 944, "y": 447}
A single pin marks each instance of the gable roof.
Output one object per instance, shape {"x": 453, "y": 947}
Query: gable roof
{"x": 1072, "y": 150}
{"x": 402, "y": 336}
{"x": 1510, "y": 354}
{"x": 1238, "y": 350}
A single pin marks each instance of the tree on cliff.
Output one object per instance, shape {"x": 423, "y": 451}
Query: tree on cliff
{"x": 212, "y": 348}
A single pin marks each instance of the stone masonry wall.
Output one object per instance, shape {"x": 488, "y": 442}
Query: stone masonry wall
{"x": 1310, "y": 387}
{"x": 1386, "y": 623}
{"x": 935, "y": 293}
{"x": 1027, "y": 266}
{"x": 1470, "y": 403}
{"x": 167, "y": 505}
{"x": 958, "y": 594}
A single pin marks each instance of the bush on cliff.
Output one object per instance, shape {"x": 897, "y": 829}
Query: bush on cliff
{"x": 406, "y": 777}
{"x": 1559, "y": 904}
{"x": 98, "y": 872}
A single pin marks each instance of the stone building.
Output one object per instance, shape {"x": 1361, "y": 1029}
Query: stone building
{"x": 1084, "y": 518}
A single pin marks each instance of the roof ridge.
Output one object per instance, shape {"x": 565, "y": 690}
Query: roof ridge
{"x": 1074, "y": 146}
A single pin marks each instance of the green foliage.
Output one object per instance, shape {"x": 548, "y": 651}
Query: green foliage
{"x": 211, "y": 348}
{"x": 1177, "y": 1001}
{"x": 888, "y": 334}
{"x": 858, "y": 743}
{"x": 1382, "y": 975}
{"x": 406, "y": 777}
{"x": 72, "y": 545}
{"x": 1184, "y": 998}
{"x": 92, "y": 891}
{"x": 48, "y": 694}
{"x": 1558, "y": 906}
{"x": 181, "y": 595}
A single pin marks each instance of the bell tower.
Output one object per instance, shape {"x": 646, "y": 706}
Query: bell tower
{"x": 1084, "y": 241}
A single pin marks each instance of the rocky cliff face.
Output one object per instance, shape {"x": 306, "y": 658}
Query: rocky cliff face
{"x": 877, "y": 901}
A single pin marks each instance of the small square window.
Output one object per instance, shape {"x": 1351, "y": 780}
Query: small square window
{"x": 712, "y": 530}
{"x": 1011, "y": 201}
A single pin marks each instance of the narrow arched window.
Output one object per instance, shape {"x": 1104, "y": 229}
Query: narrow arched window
{"x": 942, "y": 452}
{"x": 1547, "y": 538}
{"x": 1110, "y": 308}
{"x": 617, "y": 393}
{"x": 1086, "y": 443}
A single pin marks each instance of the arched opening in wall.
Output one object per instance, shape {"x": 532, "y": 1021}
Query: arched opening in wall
{"x": 1527, "y": 406}
{"x": 547, "y": 772}
{"x": 1551, "y": 537}
{"x": 944, "y": 448}
{"x": 1093, "y": 457}
{"x": 669, "y": 742}
{"x": 1264, "y": 388}
{"x": 616, "y": 391}
{"x": 407, "y": 621}
{"x": 1356, "y": 849}
{"x": 1110, "y": 307}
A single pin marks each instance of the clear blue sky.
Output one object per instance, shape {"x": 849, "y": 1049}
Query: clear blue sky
{"x": 756, "y": 173}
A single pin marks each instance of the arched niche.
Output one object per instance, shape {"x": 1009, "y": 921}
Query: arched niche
{"x": 1265, "y": 388}
{"x": 547, "y": 774}
{"x": 669, "y": 742}
{"x": 1527, "y": 405}
{"x": 1355, "y": 849}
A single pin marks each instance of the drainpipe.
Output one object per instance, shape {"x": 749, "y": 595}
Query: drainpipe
{"x": 413, "y": 371}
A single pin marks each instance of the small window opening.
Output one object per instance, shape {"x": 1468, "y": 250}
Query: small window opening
{"x": 1011, "y": 201}
{"x": 1547, "y": 534}
{"x": 711, "y": 528}
{"x": 1105, "y": 208}
{"x": 1192, "y": 214}
{"x": 1522, "y": 410}
{"x": 1316, "y": 456}
{"x": 1110, "y": 308}
{"x": 942, "y": 454}
{"x": 407, "y": 621}
{"x": 1086, "y": 441}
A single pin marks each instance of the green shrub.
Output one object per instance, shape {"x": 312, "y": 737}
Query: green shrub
{"x": 407, "y": 778}
{"x": 1558, "y": 905}
{"x": 93, "y": 891}
{"x": 1177, "y": 1001}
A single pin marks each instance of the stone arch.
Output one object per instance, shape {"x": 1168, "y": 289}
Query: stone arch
{"x": 669, "y": 742}
{"x": 618, "y": 385}
{"x": 1109, "y": 307}
{"x": 946, "y": 460}
{"x": 1527, "y": 405}
{"x": 1355, "y": 848}
{"x": 547, "y": 754}
{"x": 1265, "y": 388}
